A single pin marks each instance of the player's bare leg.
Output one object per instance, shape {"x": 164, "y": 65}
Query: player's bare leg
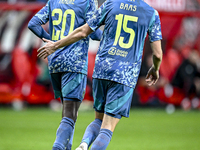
{"x": 109, "y": 122}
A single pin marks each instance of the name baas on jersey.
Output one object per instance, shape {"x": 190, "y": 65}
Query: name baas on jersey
{"x": 64, "y": 16}
{"x": 126, "y": 25}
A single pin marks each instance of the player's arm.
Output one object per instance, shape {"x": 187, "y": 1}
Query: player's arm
{"x": 155, "y": 37}
{"x": 76, "y": 35}
{"x": 36, "y": 22}
{"x": 153, "y": 73}
{"x": 96, "y": 35}
{"x": 89, "y": 13}
{"x": 157, "y": 54}
{"x": 35, "y": 25}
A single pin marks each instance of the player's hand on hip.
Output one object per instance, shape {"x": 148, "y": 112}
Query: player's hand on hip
{"x": 47, "y": 49}
{"x": 152, "y": 76}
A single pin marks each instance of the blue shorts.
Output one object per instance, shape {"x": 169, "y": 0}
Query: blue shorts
{"x": 112, "y": 98}
{"x": 69, "y": 85}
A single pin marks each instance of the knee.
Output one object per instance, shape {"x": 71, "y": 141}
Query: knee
{"x": 70, "y": 109}
{"x": 99, "y": 115}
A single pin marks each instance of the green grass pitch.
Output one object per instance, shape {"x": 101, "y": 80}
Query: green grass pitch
{"x": 145, "y": 129}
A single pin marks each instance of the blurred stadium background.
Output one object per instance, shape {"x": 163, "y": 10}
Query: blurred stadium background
{"x": 25, "y": 86}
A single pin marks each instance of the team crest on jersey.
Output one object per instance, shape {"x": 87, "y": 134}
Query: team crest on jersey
{"x": 66, "y": 1}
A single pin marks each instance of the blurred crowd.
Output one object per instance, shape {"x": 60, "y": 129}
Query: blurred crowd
{"x": 25, "y": 77}
{"x": 179, "y": 82}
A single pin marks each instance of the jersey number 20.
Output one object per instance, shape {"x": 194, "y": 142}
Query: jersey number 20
{"x": 123, "y": 20}
{"x": 62, "y": 18}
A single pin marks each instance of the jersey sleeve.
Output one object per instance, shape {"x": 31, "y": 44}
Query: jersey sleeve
{"x": 42, "y": 17}
{"x": 43, "y": 14}
{"x": 96, "y": 35}
{"x": 98, "y": 18}
{"x": 154, "y": 31}
{"x": 90, "y": 9}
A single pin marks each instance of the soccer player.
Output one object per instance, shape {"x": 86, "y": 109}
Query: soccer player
{"x": 118, "y": 62}
{"x": 68, "y": 65}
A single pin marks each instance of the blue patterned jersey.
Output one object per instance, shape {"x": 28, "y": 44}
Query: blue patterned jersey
{"x": 64, "y": 16}
{"x": 127, "y": 23}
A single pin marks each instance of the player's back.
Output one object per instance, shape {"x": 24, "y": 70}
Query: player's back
{"x": 126, "y": 24}
{"x": 65, "y": 16}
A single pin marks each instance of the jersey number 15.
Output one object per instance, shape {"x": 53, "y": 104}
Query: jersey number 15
{"x": 122, "y": 22}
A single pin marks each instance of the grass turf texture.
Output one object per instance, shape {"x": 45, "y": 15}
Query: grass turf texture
{"x": 145, "y": 129}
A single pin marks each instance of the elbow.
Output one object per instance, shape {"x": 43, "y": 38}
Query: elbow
{"x": 159, "y": 55}
{"x": 32, "y": 24}
{"x": 84, "y": 31}
{"x": 29, "y": 25}
{"x": 83, "y": 35}
{"x": 157, "y": 49}
{"x": 157, "y": 59}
